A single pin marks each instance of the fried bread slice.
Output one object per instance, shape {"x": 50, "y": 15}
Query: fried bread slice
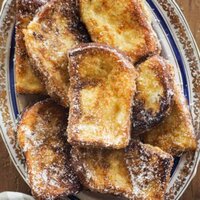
{"x": 55, "y": 29}
{"x": 102, "y": 85}
{"x": 113, "y": 171}
{"x": 154, "y": 93}
{"x": 102, "y": 170}
{"x": 41, "y": 136}
{"x": 175, "y": 134}
{"x": 124, "y": 24}
{"x": 149, "y": 169}
{"x": 26, "y": 80}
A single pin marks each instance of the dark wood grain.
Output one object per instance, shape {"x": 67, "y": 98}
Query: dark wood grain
{"x": 10, "y": 180}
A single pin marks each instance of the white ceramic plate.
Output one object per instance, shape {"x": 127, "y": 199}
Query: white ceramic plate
{"x": 178, "y": 46}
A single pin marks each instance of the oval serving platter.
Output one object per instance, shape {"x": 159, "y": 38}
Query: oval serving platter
{"x": 178, "y": 47}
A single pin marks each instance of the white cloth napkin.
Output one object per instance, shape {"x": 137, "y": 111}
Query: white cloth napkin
{"x": 14, "y": 196}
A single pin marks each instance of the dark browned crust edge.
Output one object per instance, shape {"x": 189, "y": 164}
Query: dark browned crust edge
{"x": 44, "y": 81}
{"x": 175, "y": 150}
{"x": 74, "y": 93}
{"x": 149, "y": 151}
{"x": 28, "y": 9}
{"x": 152, "y": 41}
{"x": 77, "y": 162}
{"x": 75, "y": 27}
{"x": 76, "y": 187}
{"x": 145, "y": 121}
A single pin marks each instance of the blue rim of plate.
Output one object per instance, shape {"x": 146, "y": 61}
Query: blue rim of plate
{"x": 171, "y": 41}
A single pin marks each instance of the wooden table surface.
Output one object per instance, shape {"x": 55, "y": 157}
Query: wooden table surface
{"x": 10, "y": 179}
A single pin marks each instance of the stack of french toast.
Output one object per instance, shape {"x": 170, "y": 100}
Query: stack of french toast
{"x": 115, "y": 117}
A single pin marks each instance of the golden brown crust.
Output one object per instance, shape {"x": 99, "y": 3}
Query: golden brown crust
{"x": 124, "y": 24}
{"x": 154, "y": 93}
{"x": 149, "y": 168}
{"x": 102, "y": 170}
{"x": 55, "y": 29}
{"x": 175, "y": 134}
{"x": 26, "y": 80}
{"x": 139, "y": 172}
{"x": 41, "y": 136}
{"x": 102, "y": 85}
